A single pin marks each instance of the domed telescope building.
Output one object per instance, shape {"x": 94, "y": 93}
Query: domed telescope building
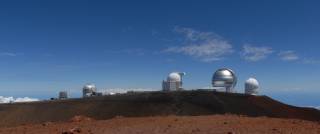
{"x": 226, "y": 78}
{"x": 251, "y": 86}
{"x": 63, "y": 95}
{"x": 173, "y": 82}
{"x": 89, "y": 90}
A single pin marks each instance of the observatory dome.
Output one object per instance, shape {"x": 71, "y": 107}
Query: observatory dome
{"x": 222, "y": 73}
{"x": 90, "y": 87}
{"x": 224, "y": 77}
{"x": 174, "y": 77}
{"x": 251, "y": 86}
{"x": 63, "y": 95}
{"x": 89, "y": 90}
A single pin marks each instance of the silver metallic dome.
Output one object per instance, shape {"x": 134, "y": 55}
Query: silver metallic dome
{"x": 90, "y": 87}
{"x": 89, "y": 90}
{"x": 224, "y": 77}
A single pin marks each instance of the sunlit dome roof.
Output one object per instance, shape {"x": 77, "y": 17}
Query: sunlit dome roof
{"x": 252, "y": 82}
{"x": 224, "y": 74}
{"x": 174, "y": 77}
{"x": 89, "y": 87}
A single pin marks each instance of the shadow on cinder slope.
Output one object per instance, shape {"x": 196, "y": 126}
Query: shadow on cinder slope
{"x": 152, "y": 104}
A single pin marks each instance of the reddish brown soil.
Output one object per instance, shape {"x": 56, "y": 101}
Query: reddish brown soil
{"x": 214, "y": 124}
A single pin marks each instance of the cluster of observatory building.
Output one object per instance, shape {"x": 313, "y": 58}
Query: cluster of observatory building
{"x": 223, "y": 80}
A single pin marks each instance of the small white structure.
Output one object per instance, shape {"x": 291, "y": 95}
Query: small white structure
{"x": 63, "y": 95}
{"x": 251, "y": 86}
{"x": 89, "y": 90}
{"x": 173, "y": 82}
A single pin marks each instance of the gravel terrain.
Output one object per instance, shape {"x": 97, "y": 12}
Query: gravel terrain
{"x": 212, "y": 124}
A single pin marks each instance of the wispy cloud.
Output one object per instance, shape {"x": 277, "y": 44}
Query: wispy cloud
{"x": 133, "y": 51}
{"x": 9, "y": 54}
{"x": 254, "y": 53}
{"x": 288, "y": 55}
{"x": 127, "y": 29}
{"x": 13, "y": 100}
{"x": 137, "y": 51}
{"x": 204, "y": 46}
{"x": 310, "y": 61}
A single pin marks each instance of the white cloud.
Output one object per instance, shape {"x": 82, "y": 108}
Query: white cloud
{"x": 253, "y": 53}
{"x": 134, "y": 51}
{"x": 204, "y": 46}
{"x": 288, "y": 55}
{"x": 137, "y": 51}
{"x": 310, "y": 61}
{"x": 25, "y": 99}
{"x": 8, "y": 54}
{"x": 13, "y": 100}
{"x": 6, "y": 99}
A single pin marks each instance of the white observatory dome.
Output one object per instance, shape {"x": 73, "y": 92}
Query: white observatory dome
{"x": 224, "y": 77}
{"x": 91, "y": 87}
{"x": 251, "y": 86}
{"x": 174, "y": 77}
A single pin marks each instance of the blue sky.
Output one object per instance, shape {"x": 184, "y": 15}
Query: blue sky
{"x": 48, "y": 46}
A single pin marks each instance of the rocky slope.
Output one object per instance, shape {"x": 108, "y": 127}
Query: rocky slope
{"x": 184, "y": 103}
